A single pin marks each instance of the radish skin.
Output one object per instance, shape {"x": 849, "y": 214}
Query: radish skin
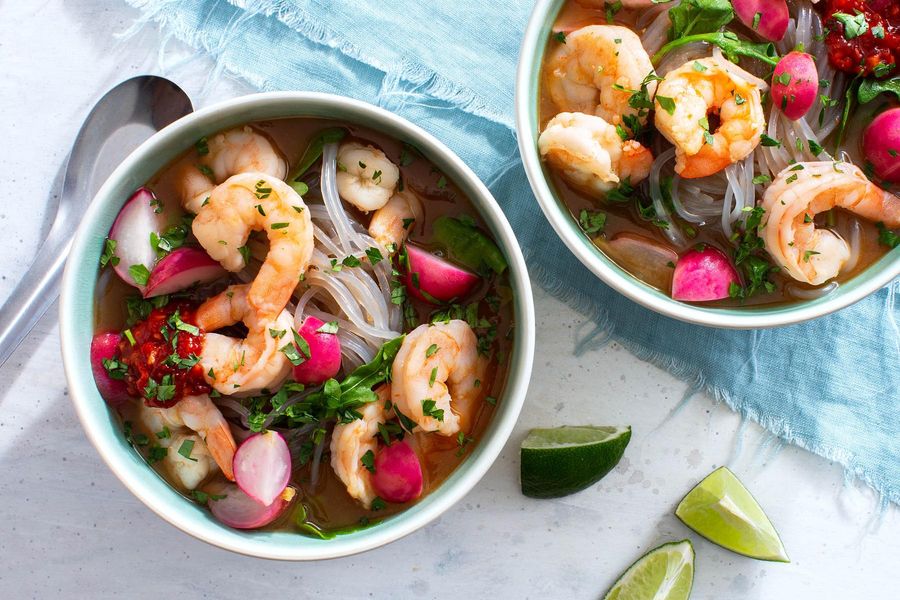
{"x": 431, "y": 277}
{"x": 180, "y": 269}
{"x": 773, "y": 16}
{"x": 131, "y": 232}
{"x": 799, "y": 93}
{"x": 237, "y": 509}
{"x": 703, "y": 275}
{"x": 324, "y": 360}
{"x": 398, "y": 473}
{"x": 262, "y": 466}
{"x": 105, "y": 346}
{"x": 881, "y": 145}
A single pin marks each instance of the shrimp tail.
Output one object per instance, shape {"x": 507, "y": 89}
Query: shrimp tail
{"x": 222, "y": 447}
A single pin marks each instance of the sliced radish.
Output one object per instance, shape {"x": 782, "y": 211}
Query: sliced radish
{"x": 236, "y": 509}
{"x": 645, "y": 258}
{"x": 262, "y": 466}
{"x": 881, "y": 145}
{"x": 703, "y": 275}
{"x": 131, "y": 232}
{"x": 772, "y": 19}
{"x": 398, "y": 473}
{"x": 180, "y": 269}
{"x": 324, "y": 359}
{"x": 105, "y": 346}
{"x": 438, "y": 278}
{"x": 795, "y": 84}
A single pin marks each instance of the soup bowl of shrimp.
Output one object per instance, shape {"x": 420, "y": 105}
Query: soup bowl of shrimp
{"x": 722, "y": 164}
{"x": 296, "y": 326}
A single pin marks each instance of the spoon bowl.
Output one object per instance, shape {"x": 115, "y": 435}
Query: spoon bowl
{"x": 119, "y": 122}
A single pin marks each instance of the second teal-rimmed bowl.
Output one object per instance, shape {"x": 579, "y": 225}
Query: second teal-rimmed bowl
{"x": 76, "y": 313}
{"x": 534, "y": 44}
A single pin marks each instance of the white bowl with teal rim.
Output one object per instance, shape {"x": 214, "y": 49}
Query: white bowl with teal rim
{"x": 76, "y": 315}
{"x": 534, "y": 44}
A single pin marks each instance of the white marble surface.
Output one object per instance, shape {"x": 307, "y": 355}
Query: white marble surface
{"x": 71, "y": 530}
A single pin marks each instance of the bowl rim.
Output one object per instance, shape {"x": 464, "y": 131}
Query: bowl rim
{"x": 151, "y": 489}
{"x": 531, "y": 53}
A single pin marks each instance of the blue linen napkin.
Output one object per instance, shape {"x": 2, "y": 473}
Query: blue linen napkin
{"x": 829, "y": 386}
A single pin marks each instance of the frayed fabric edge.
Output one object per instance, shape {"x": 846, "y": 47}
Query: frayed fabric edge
{"x": 426, "y": 80}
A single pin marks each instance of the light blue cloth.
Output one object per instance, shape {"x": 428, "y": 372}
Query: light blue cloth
{"x": 830, "y": 386}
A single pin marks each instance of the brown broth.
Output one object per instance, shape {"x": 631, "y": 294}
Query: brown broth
{"x": 624, "y": 218}
{"x": 328, "y": 505}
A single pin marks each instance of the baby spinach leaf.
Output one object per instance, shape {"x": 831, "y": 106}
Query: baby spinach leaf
{"x": 314, "y": 150}
{"x": 699, "y": 16}
{"x": 467, "y": 244}
{"x": 871, "y": 88}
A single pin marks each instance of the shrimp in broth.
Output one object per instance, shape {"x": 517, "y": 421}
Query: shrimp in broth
{"x": 220, "y": 360}
{"x": 702, "y": 142}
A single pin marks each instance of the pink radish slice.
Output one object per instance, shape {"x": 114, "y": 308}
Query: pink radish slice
{"x": 645, "y": 258}
{"x": 180, "y": 269}
{"x": 438, "y": 278}
{"x": 131, "y": 232}
{"x": 398, "y": 473}
{"x": 795, "y": 84}
{"x": 881, "y": 145}
{"x": 105, "y": 346}
{"x": 773, "y": 16}
{"x": 239, "y": 510}
{"x": 702, "y": 275}
{"x": 324, "y": 360}
{"x": 262, "y": 466}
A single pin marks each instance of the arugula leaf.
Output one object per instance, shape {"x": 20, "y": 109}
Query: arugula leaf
{"x": 699, "y": 16}
{"x": 870, "y": 88}
{"x": 731, "y": 45}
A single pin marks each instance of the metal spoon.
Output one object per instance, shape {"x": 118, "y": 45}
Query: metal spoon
{"x": 120, "y": 121}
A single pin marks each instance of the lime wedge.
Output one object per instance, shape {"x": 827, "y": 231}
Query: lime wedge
{"x": 722, "y": 510}
{"x": 562, "y": 461}
{"x": 664, "y": 573}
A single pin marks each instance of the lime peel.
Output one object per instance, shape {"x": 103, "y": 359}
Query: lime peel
{"x": 664, "y": 573}
{"x": 564, "y": 460}
{"x": 723, "y": 511}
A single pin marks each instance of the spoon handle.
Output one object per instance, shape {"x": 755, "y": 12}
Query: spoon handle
{"x": 34, "y": 294}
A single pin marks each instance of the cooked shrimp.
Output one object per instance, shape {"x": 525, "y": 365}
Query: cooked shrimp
{"x": 193, "y": 469}
{"x": 695, "y": 91}
{"x": 438, "y": 363}
{"x": 366, "y": 178}
{"x": 258, "y": 202}
{"x": 797, "y": 195}
{"x": 239, "y": 150}
{"x": 201, "y": 416}
{"x": 392, "y": 222}
{"x": 351, "y": 441}
{"x": 590, "y": 154}
{"x": 597, "y": 70}
{"x": 243, "y": 366}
